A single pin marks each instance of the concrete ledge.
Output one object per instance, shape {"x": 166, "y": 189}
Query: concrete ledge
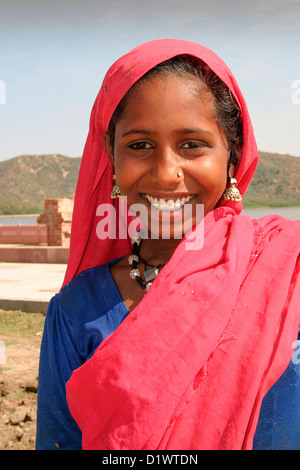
{"x": 34, "y": 254}
{"x": 29, "y": 306}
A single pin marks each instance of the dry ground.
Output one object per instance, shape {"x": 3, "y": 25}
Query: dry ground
{"x": 20, "y": 339}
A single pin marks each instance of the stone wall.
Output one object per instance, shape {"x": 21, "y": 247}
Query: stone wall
{"x": 25, "y": 234}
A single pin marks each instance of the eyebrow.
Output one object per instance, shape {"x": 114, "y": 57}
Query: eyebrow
{"x": 139, "y": 131}
{"x": 185, "y": 130}
{"x": 188, "y": 130}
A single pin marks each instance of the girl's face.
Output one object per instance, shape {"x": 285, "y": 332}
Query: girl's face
{"x": 169, "y": 151}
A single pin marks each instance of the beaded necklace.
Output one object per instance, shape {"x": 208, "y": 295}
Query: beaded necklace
{"x": 134, "y": 258}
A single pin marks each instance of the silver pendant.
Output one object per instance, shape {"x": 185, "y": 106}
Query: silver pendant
{"x": 151, "y": 274}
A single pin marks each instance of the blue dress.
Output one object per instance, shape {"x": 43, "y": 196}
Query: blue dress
{"x": 87, "y": 310}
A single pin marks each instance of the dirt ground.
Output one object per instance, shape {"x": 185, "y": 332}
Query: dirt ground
{"x": 18, "y": 386}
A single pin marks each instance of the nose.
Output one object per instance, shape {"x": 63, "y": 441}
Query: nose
{"x": 166, "y": 170}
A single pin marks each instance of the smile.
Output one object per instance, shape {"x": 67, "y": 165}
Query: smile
{"x": 168, "y": 204}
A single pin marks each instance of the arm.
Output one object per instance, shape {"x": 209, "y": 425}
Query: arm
{"x": 279, "y": 421}
{"x": 56, "y": 429}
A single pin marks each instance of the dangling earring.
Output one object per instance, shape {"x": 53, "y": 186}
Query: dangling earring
{"x": 115, "y": 193}
{"x": 232, "y": 193}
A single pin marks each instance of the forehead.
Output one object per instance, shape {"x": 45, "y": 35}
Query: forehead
{"x": 170, "y": 98}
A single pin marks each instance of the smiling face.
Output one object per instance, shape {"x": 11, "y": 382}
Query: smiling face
{"x": 168, "y": 149}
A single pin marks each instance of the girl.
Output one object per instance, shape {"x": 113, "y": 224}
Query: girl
{"x": 156, "y": 342}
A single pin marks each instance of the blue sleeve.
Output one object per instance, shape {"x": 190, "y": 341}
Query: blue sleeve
{"x": 279, "y": 421}
{"x": 60, "y": 355}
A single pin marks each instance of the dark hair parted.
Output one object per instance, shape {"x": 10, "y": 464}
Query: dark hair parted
{"x": 228, "y": 114}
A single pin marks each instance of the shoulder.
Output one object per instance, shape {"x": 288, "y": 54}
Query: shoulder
{"x": 274, "y": 223}
{"x": 87, "y": 294}
{"x": 83, "y": 284}
{"x": 278, "y": 239}
{"x": 87, "y": 309}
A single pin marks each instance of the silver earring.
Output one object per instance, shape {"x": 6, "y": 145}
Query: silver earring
{"x": 232, "y": 193}
{"x": 179, "y": 173}
{"x": 115, "y": 193}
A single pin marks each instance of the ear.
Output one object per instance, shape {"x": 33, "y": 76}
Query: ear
{"x": 108, "y": 146}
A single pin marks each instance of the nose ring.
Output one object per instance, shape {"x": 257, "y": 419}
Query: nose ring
{"x": 179, "y": 174}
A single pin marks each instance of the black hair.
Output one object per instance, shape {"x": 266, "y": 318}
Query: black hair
{"x": 228, "y": 114}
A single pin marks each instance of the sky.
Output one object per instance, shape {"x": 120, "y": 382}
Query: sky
{"x": 54, "y": 55}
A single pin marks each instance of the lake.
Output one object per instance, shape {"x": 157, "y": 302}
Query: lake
{"x": 18, "y": 219}
{"x": 287, "y": 212}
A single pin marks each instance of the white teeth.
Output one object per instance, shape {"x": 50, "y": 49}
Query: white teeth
{"x": 162, "y": 204}
{"x": 167, "y": 204}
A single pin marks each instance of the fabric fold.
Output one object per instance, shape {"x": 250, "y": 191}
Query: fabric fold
{"x": 184, "y": 341}
{"x": 189, "y": 366}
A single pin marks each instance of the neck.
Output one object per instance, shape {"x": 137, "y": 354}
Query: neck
{"x": 157, "y": 251}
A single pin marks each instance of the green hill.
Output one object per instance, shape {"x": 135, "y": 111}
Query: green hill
{"x": 276, "y": 182}
{"x": 27, "y": 180}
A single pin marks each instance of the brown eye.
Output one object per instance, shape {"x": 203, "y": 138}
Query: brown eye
{"x": 192, "y": 145}
{"x": 141, "y": 146}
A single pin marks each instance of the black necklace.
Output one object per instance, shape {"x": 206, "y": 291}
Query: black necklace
{"x": 134, "y": 258}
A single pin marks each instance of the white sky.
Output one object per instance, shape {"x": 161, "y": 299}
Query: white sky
{"x": 54, "y": 54}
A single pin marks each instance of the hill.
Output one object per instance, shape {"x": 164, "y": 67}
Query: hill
{"x": 276, "y": 182}
{"x": 27, "y": 180}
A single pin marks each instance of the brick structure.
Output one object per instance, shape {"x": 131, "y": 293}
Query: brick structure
{"x": 58, "y": 218}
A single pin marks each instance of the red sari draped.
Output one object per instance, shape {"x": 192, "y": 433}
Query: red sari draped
{"x": 189, "y": 367}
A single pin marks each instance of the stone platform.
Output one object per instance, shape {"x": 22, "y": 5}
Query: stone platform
{"x": 29, "y": 286}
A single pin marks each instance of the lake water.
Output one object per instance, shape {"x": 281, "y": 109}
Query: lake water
{"x": 18, "y": 219}
{"x": 287, "y": 212}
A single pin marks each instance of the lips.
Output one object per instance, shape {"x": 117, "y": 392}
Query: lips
{"x": 168, "y": 203}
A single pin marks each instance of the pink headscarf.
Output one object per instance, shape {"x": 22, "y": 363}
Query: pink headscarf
{"x": 95, "y": 177}
{"x": 189, "y": 367}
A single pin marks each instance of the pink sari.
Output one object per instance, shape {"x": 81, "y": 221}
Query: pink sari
{"x": 189, "y": 367}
